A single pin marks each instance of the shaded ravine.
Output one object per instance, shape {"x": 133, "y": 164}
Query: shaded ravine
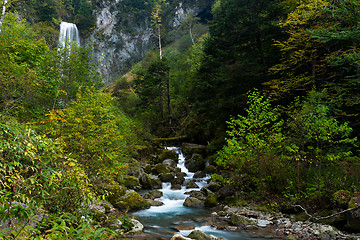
{"x": 162, "y": 222}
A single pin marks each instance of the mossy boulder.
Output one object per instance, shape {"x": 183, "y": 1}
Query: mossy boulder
{"x": 153, "y": 194}
{"x": 159, "y": 169}
{"x": 191, "y": 148}
{"x": 210, "y": 169}
{"x": 167, "y": 154}
{"x": 131, "y": 182}
{"x": 99, "y": 216}
{"x": 240, "y": 220}
{"x": 149, "y": 181}
{"x": 191, "y": 184}
{"x": 132, "y": 201}
{"x": 341, "y": 198}
{"x": 169, "y": 163}
{"x": 195, "y": 163}
{"x": 178, "y": 180}
{"x": 199, "y": 174}
{"x": 193, "y": 202}
{"x": 166, "y": 177}
{"x": 199, "y": 235}
{"x": 154, "y": 202}
{"x": 211, "y": 201}
{"x": 115, "y": 192}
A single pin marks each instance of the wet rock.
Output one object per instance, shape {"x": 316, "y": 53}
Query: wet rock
{"x": 180, "y": 175}
{"x": 211, "y": 201}
{"x": 132, "y": 201}
{"x": 170, "y": 163}
{"x": 178, "y": 180}
{"x": 226, "y": 191}
{"x": 210, "y": 169}
{"x": 190, "y": 184}
{"x": 175, "y": 186}
{"x": 149, "y": 181}
{"x": 240, "y": 220}
{"x": 193, "y": 202}
{"x": 160, "y": 168}
{"x": 154, "y": 203}
{"x": 198, "y": 194}
{"x": 166, "y": 177}
{"x": 180, "y": 237}
{"x": 190, "y": 148}
{"x": 195, "y": 163}
{"x": 153, "y": 194}
{"x": 199, "y": 235}
{"x": 136, "y": 228}
{"x": 167, "y": 154}
{"x": 131, "y": 182}
{"x": 199, "y": 174}
{"x": 183, "y": 227}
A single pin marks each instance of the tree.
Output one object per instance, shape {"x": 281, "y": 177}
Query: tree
{"x": 318, "y": 138}
{"x": 253, "y": 137}
{"x": 236, "y": 57}
{"x": 153, "y": 88}
{"x": 157, "y": 22}
{"x": 189, "y": 21}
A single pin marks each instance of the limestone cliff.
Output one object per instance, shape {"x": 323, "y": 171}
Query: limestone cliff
{"x": 123, "y": 34}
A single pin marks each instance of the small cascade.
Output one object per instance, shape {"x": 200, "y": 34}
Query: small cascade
{"x": 69, "y": 34}
{"x": 161, "y": 221}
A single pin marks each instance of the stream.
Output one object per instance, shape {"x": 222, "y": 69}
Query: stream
{"x": 162, "y": 222}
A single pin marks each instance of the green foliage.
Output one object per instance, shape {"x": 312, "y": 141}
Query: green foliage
{"x": 93, "y": 132}
{"x": 259, "y": 133}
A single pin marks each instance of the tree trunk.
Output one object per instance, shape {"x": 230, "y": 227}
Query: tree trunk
{"x": 160, "y": 49}
{"x": 191, "y": 36}
{"x": 3, "y": 14}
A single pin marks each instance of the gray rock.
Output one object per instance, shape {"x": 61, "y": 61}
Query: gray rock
{"x": 191, "y": 148}
{"x": 149, "y": 181}
{"x": 136, "y": 228}
{"x": 193, "y": 202}
{"x": 169, "y": 163}
{"x": 199, "y": 235}
{"x": 195, "y": 163}
{"x": 154, "y": 203}
{"x": 153, "y": 194}
{"x": 190, "y": 184}
{"x": 180, "y": 237}
{"x": 166, "y": 177}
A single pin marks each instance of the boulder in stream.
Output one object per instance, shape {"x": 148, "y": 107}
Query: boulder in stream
{"x": 180, "y": 237}
{"x": 149, "y": 181}
{"x": 191, "y": 148}
{"x": 199, "y": 235}
{"x": 195, "y": 163}
{"x": 193, "y": 202}
{"x": 190, "y": 184}
{"x": 153, "y": 194}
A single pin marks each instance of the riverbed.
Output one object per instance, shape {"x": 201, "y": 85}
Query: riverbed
{"x": 162, "y": 222}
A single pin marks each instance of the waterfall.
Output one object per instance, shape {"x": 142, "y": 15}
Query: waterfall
{"x": 69, "y": 34}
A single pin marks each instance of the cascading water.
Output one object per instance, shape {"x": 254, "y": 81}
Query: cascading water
{"x": 69, "y": 34}
{"x": 161, "y": 221}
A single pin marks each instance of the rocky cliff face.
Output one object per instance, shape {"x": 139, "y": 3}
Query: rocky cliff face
{"x": 123, "y": 35}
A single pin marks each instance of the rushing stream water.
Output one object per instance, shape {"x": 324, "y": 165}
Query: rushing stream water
{"x": 162, "y": 222}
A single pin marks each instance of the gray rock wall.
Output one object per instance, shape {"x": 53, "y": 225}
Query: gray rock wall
{"x": 121, "y": 38}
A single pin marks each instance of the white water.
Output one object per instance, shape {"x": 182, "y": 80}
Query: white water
{"x": 69, "y": 34}
{"x": 160, "y": 221}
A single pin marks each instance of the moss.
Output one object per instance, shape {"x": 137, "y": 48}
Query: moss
{"x": 131, "y": 182}
{"x": 115, "y": 192}
{"x": 159, "y": 169}
{"x": 211, "y": 201}
{"x": 341, "y": 198}
{"x": 210, "y": 169}
{"x": 167, "y": 154}
{"x": 132, "y": 201}
{"x": 99, "y": 216}
{"x": 301, "y": 216}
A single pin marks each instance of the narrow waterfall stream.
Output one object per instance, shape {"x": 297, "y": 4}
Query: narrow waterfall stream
{"x": 162, "y": 222}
